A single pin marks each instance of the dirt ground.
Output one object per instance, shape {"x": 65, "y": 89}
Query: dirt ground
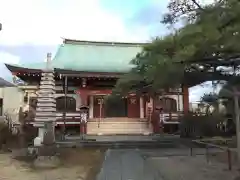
{"x": 76, "y": 164}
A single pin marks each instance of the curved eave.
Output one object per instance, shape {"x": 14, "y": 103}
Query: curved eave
{"x": 69, "y": 72}
{"x": 18, "y": 69}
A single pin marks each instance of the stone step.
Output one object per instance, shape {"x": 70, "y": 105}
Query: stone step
{"x": 106, "y": 128}
{"x": 118, "y": 127}
{"x": 115, "y": 122}
{"x": 122, "y": 120}
{"x": 114, "y": 132}
{"x": 119, "y": 130}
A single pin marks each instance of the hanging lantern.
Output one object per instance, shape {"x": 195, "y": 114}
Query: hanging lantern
{"x": 84, "y": 82}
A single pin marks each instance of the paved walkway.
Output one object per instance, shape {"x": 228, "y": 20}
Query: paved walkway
{"x": 130, "y": 164}
{"x": 124, "y": 165}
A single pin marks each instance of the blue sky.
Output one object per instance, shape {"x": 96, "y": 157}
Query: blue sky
{"x": 33, "y": 28}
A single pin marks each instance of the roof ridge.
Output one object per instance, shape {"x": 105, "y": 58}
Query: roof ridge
{"x": 103, "y": 43}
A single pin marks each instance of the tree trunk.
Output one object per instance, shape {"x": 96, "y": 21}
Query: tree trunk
{"x": 237, "y": 118}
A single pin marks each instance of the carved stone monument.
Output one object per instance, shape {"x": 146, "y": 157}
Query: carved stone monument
{"x": 46, "y": 106}
{"x": 45, "y": 119}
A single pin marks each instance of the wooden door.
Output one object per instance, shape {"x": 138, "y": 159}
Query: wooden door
{"x": 133, "y": 107}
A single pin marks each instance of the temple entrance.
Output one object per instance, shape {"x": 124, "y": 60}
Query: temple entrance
{"x": 116, "y": 107}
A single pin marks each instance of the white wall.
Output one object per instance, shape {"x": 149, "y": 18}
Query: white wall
{"x": 12, "y": 101}
{"x": 1, "y": 92}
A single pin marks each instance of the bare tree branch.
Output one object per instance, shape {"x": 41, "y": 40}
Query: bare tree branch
{"x": 197, "y": 4}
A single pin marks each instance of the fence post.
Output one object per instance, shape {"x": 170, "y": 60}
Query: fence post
{"x": 207, "y": 153}
{"x": 229, "y": 159}
{"x": 191, "y": 150}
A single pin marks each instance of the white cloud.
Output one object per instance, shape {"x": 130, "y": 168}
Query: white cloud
{"x": 8, "y": 58}
{"x": 196, "y": 92}
{"x": 45, "y": 22}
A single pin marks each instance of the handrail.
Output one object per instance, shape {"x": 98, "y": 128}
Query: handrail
{"x": 227, "y": 149}
{"x": 169, "y": 122}
{"x": 214, "y": 145}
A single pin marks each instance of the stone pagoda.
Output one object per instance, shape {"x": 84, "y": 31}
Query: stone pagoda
{"x": 46, "y": 106}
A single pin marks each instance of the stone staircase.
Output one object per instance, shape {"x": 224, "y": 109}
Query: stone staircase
{"x": 118, "y": 126}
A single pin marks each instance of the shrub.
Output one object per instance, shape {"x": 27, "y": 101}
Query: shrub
{"x": 5, "y": 134}
{"x": 193, "y": 125}
{"x": 30, "y": 132}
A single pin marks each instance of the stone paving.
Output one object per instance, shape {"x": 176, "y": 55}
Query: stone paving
{"x": 121, "y": 165}
{"x": 134, "y": 164}
{"x": 117, "y": 138}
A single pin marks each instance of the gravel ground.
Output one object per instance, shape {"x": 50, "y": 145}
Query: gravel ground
{"x": 77, "y": 164}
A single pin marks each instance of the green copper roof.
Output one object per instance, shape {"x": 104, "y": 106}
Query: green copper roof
{"x": 93, "y": 57}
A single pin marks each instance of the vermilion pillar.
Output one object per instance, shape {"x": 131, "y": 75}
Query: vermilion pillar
{"x": 83, "y": 92}
{"x": 185, "y": 99}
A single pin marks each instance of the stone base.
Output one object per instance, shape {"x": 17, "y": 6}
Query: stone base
{"x": 24, "y": 154}
{"x": 20, "y": 153}
{"x": 50, "y": 150}
{"x": 46, "y": 162}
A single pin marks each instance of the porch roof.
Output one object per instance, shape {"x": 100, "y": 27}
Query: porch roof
{"x": 4, "y": 83}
